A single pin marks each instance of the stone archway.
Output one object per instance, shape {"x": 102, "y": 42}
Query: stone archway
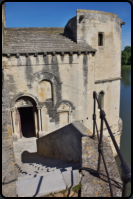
{"x": 27, "y": 111}
{"x": 24, "y": 115}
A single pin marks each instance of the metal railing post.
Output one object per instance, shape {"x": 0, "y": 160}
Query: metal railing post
{"x": 100, "y": 145}
{"x": 126, "y": 177}
{"x": 94, "y": 115}
{"x": 126, "y": 170}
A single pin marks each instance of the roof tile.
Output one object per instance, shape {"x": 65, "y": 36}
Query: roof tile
{"x": 40, "y": 39}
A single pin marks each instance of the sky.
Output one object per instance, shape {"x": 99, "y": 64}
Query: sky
{"x": 57, "y": 14}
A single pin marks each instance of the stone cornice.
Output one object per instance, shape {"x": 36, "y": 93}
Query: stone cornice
{"x": 17, "y": 54}
{"x": 107, "y": 80}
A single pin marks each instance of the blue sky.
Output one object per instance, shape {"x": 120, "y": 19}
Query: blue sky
{"x": 57, "y": 14}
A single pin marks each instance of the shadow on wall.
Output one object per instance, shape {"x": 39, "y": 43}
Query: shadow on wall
{"x": 64, "y": 143}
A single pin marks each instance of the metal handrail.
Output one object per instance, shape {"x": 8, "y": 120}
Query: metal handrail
{"x": 126, "y": 170}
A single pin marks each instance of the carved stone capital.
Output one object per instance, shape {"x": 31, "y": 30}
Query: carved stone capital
{"x": 39, "y": 107}
{"x": 12, "y": 109}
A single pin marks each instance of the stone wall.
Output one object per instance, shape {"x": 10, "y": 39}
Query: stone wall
{"x": 9, "y": 175}
{"x": 71, "y": 79}
{"x": 64, "y": 143}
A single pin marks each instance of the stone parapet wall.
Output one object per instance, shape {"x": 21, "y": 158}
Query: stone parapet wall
{"x": 93, "y": 185}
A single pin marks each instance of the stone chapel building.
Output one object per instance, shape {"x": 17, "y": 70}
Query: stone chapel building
{"x": 52, "y": 72}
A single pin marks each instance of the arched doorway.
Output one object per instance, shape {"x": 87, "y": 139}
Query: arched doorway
{"x": 27, "y": 116}
{"x": 26, "y": 122}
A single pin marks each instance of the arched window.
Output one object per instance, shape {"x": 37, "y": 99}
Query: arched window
{"x": 44, "y": 91}
{"x": 101, "y": 99}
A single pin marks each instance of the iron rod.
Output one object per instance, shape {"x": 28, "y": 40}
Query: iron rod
{"x": 107, "y": 175}
{"x": 126, "y": 170}
{"x": 94, "y": 114}
{"x": 124, "y": 189}
{"x": 100, "y": 141}
{"x": 97, "y": 130}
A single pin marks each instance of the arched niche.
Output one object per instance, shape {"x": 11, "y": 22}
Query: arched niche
{"x": 44, "y": 76}
{"x": 54, "y": 81}
{"x": 45, "y": 91}
{"x": 64, "y": 110}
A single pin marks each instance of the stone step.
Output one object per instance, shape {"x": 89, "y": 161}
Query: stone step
{"x": 41, "y": 185}
{"x": 34, "y": 175}
{"x": 71, "y": 178}
{"x": 33, "y": 170}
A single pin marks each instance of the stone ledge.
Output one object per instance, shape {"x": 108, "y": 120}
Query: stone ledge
{"x": 93, "y": 186}
{"x": 107, "y": 80}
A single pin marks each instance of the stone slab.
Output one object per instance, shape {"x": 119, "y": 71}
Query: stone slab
{"x": 43, "y": 185}
{"x": 71, "y": 178}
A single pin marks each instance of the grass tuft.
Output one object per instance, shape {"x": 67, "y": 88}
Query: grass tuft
{"x": 77, "y": 187}
{"x": 63, "y": 191}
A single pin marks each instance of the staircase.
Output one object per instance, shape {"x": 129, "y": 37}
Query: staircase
{"x": 39, "y": 175}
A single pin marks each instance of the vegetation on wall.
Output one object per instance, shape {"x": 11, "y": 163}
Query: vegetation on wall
{"x": 126, "y": 56}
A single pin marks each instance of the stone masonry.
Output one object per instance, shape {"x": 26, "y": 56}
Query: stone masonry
{"x": 9, "y": 175}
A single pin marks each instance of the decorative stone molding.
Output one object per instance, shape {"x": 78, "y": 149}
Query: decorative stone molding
{"x": 65, "y": 102}
{"x": 45, "y": 53}
{"x": 23, "y": 95}
{"x": 62, "y": 53}
{"x": 79, "y": 52}
{"x": 17, "y": 55}
{"x": 27, "y": 54}
{"x": 39, "y": 107}
{"x": 50, "y": 52}
{"x": 54, "y": 53}
{"x": 44, "y": 76}
{"x": 8, "y": 55}
{"x": 36, "y": 54}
